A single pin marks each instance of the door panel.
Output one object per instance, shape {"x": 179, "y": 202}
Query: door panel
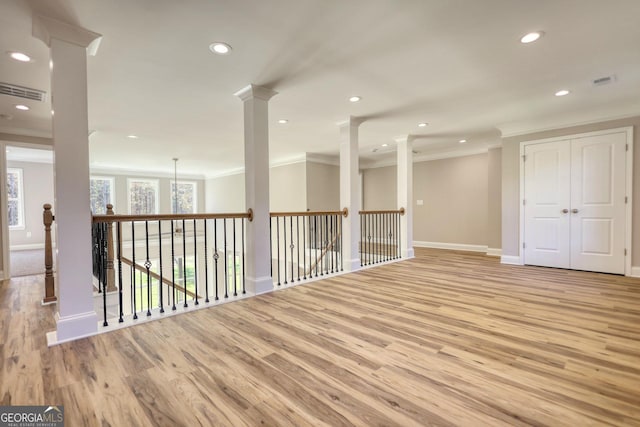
{"x": 597, "y": 202}
{"x": 546, "y": 192}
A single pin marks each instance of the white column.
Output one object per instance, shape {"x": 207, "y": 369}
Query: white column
{"x": 405, "y": 194}
{"x": 76, "y": 316}
{"x": 256, "y": 163}
{"x": 350, "y": 192}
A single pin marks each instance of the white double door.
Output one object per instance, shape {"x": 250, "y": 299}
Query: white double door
{"x": 574, "y": 203}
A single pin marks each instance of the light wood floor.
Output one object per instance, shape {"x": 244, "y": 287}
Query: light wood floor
{"x": 445, "y": 339}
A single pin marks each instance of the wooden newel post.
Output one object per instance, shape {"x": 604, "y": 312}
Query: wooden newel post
{"x": 49, "y": 284}
{"x": 111, "y": 276}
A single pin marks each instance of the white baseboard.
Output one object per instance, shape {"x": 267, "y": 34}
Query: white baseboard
{"x": 635, "y": 272}
{"x": 494, "y": 251}
{"x": 26, "y": 247}
{"x": 451, "y": 246}
{"x": 510, "y": 259}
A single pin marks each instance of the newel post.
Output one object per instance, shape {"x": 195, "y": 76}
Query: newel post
{"x": 49, "y": 284}
{"x": 111, "y": 276}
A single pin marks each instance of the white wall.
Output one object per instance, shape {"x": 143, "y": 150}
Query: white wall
{"x": 37, "y": 183}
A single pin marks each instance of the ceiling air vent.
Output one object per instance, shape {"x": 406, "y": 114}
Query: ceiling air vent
{"x": 22, "y": 92}
{"x": 601, "y": 81}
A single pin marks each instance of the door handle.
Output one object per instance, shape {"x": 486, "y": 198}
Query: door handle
{"x": 564, "y": 211}
{"x": 574, "y": 210}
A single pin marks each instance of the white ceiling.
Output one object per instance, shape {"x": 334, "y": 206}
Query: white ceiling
{"x": 456, "y": 64}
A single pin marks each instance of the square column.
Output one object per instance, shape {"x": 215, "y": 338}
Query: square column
{"x": 350, "y": 192}
{"x": 76, "y": 315}
{"x": 405, "y": 194}
{"x": 256, "y": 163}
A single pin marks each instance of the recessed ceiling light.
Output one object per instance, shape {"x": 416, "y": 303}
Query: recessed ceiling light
{"x": 531, "y": 37}
{"x": 22, "y": 107}
{"x": 462, "y": 141}
{"x": 562, "y": 92}
{"x": 422, "y": 125}
{"x": 220, "y": 48}
{"x": 19, "y": 56}
{"x": 354, "y": 99}
{"x": 385, "y": 145}
{"x": 132, "y": 136}
{"x": 283, "y": 121}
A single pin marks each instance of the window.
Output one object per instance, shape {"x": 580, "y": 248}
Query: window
{"x": 101, "y": 193}
{"x": 15, "y": 199}
{"x": 143, "y": 196}
{"x": 185, "y": 198}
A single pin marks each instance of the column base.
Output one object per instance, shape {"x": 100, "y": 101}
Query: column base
{"x": 408, "y": 253}
{"x": 258, "y": 286}
{"x": 49, "y": 300}
{"x": 80, "y": 325}
{"x": 352, "y": 265}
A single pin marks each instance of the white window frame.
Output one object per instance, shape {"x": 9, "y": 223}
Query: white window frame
{"x": 194, "y": 185}
{"x": 156, "y": 186}
{"x": 112, "y": 187}
{"x": 20, "y": 198}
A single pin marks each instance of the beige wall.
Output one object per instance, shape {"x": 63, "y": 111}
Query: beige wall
{"x": 454, "y": 192}
{"x": 288, "y": 188}
{"x": 494, "y": 201}
{"x": 37, "y": 183}
{"x": 455, "y": 196}
{"x": 225, "y": 194}
{"x": 511, "y": 181}
{"x": 323, "y": 187}
{"x": 380, "y": 188}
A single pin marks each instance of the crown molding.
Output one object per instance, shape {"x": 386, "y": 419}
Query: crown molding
{"x": 140, "y": 173}
{"x": 45, "y": 29}
{"x": 507, "y": 133}
{"x": 253, "y": 91}
{"x": 429, "y": 157}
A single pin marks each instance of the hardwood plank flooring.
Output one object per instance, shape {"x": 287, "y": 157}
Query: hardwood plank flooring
{"x": 448, "y": 339}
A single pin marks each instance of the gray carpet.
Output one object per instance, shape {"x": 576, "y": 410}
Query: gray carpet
{"x": 27, "y": 263}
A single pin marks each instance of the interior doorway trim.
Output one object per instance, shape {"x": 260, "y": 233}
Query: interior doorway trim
{"x": 628, "y": 131}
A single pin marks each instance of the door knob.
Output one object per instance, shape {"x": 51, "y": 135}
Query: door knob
{"x": 565, "y": 211}
{"x": 574, "y": 210}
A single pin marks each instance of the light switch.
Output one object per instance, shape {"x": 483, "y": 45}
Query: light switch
{"x": 420, "y": 202}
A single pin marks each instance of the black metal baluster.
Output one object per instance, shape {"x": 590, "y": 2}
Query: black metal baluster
{"x": 270, "y": 245}
{"x": 291, "y": 246}
{"x": 340, "y": 246}
{"x": 133, "y": 269}
{"x": 304, "y": 248}
{"x": 147, "y": 265}
{"x": 235, "y": 274}
{"x": 298, "y": 243}
{"x": 284, "y": 248}
{"x": 195, "y": 261}
{"x": 216, "y": 255}
{"x": 244, "y": 279}
{"x": 173, "y": 270}
{"x": 399, "y": 237}
{"x": 321, "y": 244}
{"x": 206, "y": 264}
{"x": 335, "y": 243}
{"x": 184, "y": 264}
{"x": 226, "y": 259}
{"x": 161, "y": 275}
{"x": 119, "y": 238}
{"x": 331, "y": 242}
{"x": 317, "y": 237}
{"x": 278, "y": 247}
{"x": 103, "y": 270}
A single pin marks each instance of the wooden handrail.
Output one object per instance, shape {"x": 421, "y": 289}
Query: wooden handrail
{"x": 344, "y": 212}
{"x": 400, "y": 211}
{"x": 158, "y": 217}
{"x": 156, "y": 276}
{"x": 49, "y": 284}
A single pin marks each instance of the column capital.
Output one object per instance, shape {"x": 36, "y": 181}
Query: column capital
{"x": 404, "y": 138}
{"x": 254, "y": 91}
{"x": 45, "y": 29}
{"x": 351, "y": 121}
